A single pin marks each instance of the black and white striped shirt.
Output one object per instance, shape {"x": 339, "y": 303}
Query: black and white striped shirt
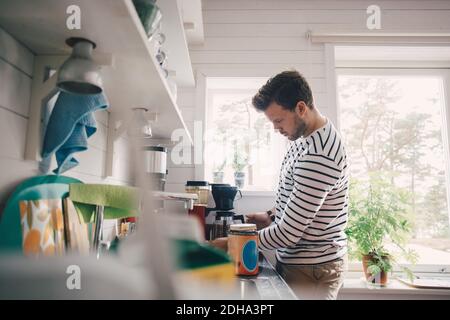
{"x": 311, "y": 202}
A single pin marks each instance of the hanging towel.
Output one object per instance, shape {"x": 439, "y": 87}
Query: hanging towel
{"x": 70, "y": 124}
{"x": 118, "y": 201}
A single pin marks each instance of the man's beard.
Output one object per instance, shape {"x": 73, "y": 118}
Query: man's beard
{"x": 300, "y": 129}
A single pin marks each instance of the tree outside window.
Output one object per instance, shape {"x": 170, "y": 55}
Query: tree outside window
{"x": 393, "y": 127}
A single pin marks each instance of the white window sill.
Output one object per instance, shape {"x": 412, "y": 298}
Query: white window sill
{"x": 255, "y": 193}
{"x": 355, "y": 284}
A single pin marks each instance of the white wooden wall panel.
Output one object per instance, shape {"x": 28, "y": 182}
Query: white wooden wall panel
{"x": 91, "y": 161}
{"x": 171, "y": 164}
{"x": 13, "y": 129}
{"x": 256, "y": 57}
{"x": 351, "y": 17}
{"x": 15, "y": 89}
{"x": 13, "y": 172}
{"x": 180, "y": 175}
{"x": 188, "y": 113}
{"x": 251, "y": 30}
{"x": 175, "y": 187}
{"x": 310, "y": 71}
{"x": 98, "y": 140}
{"x": 185, "y": 98}
{"x": 15, "y": 54}
{"x": 102, "y": 117}
{"x": 281, "y": 43}
{"x": 323, "y": 4}
{"x": 123, "y": 161}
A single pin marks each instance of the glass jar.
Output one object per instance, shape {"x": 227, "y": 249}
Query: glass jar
{"x": 201, "y": 188}
{"x": 243, "y": 248}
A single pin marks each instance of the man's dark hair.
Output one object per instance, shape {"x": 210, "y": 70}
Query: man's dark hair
{"x": 286, "y": 89}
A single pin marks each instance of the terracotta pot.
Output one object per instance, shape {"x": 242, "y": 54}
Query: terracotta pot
{"x": 380, "y": 278}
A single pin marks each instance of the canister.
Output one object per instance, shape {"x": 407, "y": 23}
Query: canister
{"x": 243, "y": 248}
{"x": 201, "y": 188}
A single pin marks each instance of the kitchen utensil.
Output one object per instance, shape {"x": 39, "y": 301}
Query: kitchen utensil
{"x": 79, "y": 74}
{"x": 156, "y": 166}
{"x": 156, "y": 159}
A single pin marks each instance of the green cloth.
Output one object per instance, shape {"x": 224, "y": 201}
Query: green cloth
{"x": 118, "y": 201}
{"x": 190, "y": 254}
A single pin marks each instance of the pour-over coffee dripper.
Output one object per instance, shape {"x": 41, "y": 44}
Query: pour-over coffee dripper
{"x": 224, "y": 196}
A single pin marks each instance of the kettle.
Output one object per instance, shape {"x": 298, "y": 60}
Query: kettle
{"x": 222, "y": 223}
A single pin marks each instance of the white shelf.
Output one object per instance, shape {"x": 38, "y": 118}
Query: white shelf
{"x": 163, "y": 195}
{"x": 176, "y": 45}
{"x": 133, "y": 80}
{"x": 187, "y": 198}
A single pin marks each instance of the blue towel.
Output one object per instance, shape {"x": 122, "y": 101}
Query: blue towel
{"x": 70, "y": 124}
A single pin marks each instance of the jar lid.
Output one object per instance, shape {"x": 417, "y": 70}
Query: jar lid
{"x": 243, "y": 227}
{"x": 193, "y": 183}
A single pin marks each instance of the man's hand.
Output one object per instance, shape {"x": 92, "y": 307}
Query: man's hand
{"x": 220, "y": 243}
{"x": 261, "y": 219}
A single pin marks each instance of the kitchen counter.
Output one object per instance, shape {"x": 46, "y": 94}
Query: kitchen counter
{"x": 267, "y": 285}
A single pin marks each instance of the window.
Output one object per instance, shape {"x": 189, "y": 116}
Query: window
{"x": 241, "y": 146}
{"x": 394, "y": 124}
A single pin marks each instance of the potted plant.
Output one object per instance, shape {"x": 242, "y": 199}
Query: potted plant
{"x": 239, "y": 163}
{"x": 218, "y": 172}
{"x": 378, "y": 228}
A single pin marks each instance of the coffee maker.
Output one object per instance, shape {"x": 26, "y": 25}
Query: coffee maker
{"x": 220, "y": 217}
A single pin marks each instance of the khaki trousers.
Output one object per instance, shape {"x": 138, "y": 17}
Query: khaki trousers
{"x": 316, "y": 282}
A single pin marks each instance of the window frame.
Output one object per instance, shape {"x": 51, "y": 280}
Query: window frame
{"x": 414, "y": 69}
{"x": 207, "y": 119}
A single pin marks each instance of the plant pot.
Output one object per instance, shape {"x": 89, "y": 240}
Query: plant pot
{"x": 239, "y": 179}
{"x": 218, "y": 177}
{"x": 378, "y": 279}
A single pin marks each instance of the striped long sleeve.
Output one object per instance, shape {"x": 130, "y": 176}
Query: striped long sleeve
{"x": 311, "y": 205}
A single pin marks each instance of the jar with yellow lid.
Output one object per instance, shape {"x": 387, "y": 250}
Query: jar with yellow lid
{"x": 201, "y": 188}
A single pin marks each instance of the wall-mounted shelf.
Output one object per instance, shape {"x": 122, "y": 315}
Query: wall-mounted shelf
{"x": 176, "y": 43}
{"x": 134, "y": 78}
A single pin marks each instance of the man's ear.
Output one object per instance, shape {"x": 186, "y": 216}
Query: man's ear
{"x": 300, "y": 109}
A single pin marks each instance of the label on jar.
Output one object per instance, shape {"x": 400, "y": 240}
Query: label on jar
{"x": 243, "y": 249}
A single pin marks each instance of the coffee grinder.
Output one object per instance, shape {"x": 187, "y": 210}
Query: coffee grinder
{"x": 220, "y": 217}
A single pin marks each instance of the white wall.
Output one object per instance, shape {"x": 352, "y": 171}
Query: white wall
{"x": 264, "y": 37}
{"x": 16, "y": 73}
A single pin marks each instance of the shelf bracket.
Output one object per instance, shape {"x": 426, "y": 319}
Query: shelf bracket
{"x": 42, "y": 90}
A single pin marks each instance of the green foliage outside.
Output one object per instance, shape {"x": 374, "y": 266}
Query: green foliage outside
{"x": 378, "y": 217}
{"x": 240, "y": 159}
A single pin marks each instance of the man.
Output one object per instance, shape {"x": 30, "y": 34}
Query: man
{"x": 306, "y": 226}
